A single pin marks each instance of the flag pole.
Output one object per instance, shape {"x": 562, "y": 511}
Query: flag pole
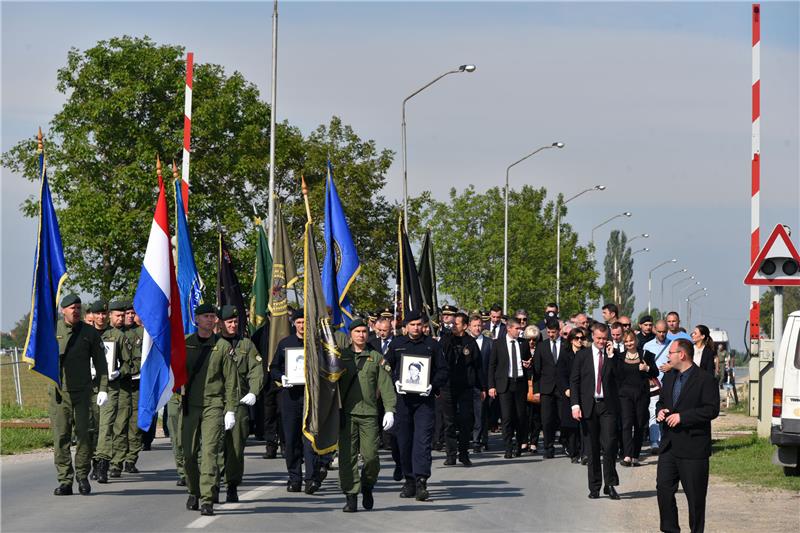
{"x": 187, "y": 131}
{"x": 273, "y": 99}
{"x": 305, "y": 197}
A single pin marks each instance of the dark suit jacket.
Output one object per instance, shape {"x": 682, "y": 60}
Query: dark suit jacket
{"x": 486, "y": 352}
{"x": 544, "y": 368}
{"x": 376, "y": 343}
{"x": 698, "y": 405}
{"x": 566, "y": 359}
{"x": 500, "y": 361}
{"x": 707, "y": 360}
{"x": 582, "y": 383}
{"x": 501, "y": 330}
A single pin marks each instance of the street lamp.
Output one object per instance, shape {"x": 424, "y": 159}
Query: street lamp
{"x": 462, "y": 68}
{"x": 641, "y": 250}
{"x": 662, "y": 283}
{"x": 689, "y": 301}
{"x": 674, "y": 285}
{"x": 625, "y": 214}
{"x": 650, "y": 283}
{"x": 505, "y": 232}
{"x": 642, "y": 236}
{"x": 558, "y": 239}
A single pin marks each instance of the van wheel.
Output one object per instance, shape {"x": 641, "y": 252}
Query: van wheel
{"x": 792, "y": 471}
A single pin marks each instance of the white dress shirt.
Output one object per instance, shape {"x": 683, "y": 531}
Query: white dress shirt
{"x": 595, "y": 359}
{"x": 509, "y": 342}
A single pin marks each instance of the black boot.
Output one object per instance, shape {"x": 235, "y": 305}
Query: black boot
{"x": 397, "y": 475}
{"x": 191, "y": 503}
{"x": 409, "y": 488}
{"x": 422, "y": 489}
{"x": 215, "y": 494}
{"x": 113, "y": 471}
{"x": 312, "y": 486}
{"x": 181, "y": 482}
{"x": 63, "y": 490}
{"x": 102, "y": 471}
{"x": 450, "y": 461}
{"x": 464, "y": 459}
{"x": 207, "y": 509}
{"x": 323, "y": 473}
{"x": 271, "y": 452}
{"x": 232, "y": 496}
{"x": 130, "y": 467}
{"x": 352, "y": 503}
{"x": 84, "y": 487}
{"x": 367, "y": 501}
{"x": 93, "y": 475}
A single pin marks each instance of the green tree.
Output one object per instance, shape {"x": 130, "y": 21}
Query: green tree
{"x": 466, "y": 232}
{"x": 618, "y": 265}
{"x": 657, "y": 314}
{"x": 791, "y": 303}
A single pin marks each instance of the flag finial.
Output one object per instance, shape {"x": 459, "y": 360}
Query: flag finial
{"x": 174, "y": 170}
{"x": 158, "y": 166}
{"x": 40, "y": 140}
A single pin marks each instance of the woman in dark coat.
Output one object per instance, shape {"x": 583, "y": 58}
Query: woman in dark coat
{"x": 704, "y": 349}
{"x": 634, "y": 396}
{"x": 570, "y": 430}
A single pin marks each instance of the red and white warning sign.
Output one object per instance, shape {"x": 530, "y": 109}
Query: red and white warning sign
{"x": 778, "y": 262}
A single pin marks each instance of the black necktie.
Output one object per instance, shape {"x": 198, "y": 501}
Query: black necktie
{"x": 555, "y": 353}
{"x": 494, "y": 331}
{"x": 676, "y": 391}
{"x": 514, "y": 371}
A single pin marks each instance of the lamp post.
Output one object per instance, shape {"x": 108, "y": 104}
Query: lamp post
{"x": 674, "y": 285}
{"x": 505, "y": 231}
{"x": 664, "y": 279}
{"x": 688, "y": 287}
{"x": 642, "y": 236}
{"x": 689, "y": 301}
{"x": 650, "y": 283}
{"x": 639, "y": 251}
{"x": 625, "y": 214}
{"x": 462, "y": 68}
{"x": 558, "y": 239}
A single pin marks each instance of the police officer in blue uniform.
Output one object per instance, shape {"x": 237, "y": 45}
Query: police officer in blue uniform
{"x": 416, "y": 411}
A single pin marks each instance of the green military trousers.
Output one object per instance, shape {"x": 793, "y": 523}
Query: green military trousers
{"x": 231, "y": 454}
{"x": 105, "y": 428}
{"x": 175, "y": 425}
{"x": 358, "y": 434}
{"x": 71, "y": 411}
{"x": 94, "y": 418}
{"x": 127, "y": 441}
{"x": 201, "y": 425}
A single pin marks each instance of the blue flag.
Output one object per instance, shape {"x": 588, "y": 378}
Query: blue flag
{"x": 49, "y": 272}
{"x": 190, "y": 285}
{"x": 341, "y": 264}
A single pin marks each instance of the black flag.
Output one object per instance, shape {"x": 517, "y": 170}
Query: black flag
{"x": 408, "y": 279}
{"x": 228, "y": 290}
{"x": 427, "y": 279}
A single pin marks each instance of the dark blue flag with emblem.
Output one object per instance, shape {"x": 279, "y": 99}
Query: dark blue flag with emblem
{"x": 49, "y": 272}
{"x": 228, "y": 290}
{"x": 190, "y": 285}
{"x": 341, "y": 264}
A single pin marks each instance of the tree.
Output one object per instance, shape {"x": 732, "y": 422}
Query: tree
{"x": 467, "y": 232}
{"x": 656, "y": 314}
{"x": 791, "y": 302}
{"x": 618, "y": 265}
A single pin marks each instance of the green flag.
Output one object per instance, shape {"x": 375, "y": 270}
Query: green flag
{"x": 323, "y": 365}
{"x": 259, "y": 296}
{"x": 284, "y": 275}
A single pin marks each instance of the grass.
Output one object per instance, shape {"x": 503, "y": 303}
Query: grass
{"x": 13, "y": 411}
{"x": 33, "y": 385}
{"x": 748, "y": 460}
{"x": 741, "y": 409}
{"x": 19, "y": 440}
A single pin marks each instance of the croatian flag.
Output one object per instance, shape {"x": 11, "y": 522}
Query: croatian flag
{"x": 157, "y": 302}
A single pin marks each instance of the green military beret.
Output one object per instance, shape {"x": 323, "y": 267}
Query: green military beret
{"x": 357, "y": 323}
{"x": 202, "y": 309}
{"x": 118, "y": 305}
{"x": 128, "y": 304}
{"x": 99, "y": 306}
{"x": 228, "y": 311}
{"x": 70, "y": 299}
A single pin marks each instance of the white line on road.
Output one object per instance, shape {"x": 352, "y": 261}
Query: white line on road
{"x": 204, "y": 521}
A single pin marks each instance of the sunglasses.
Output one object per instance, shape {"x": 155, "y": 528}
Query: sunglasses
{"x": 579, "y": 337}
{"x": 625, "y": 325}
{"x": 522, "y": 319}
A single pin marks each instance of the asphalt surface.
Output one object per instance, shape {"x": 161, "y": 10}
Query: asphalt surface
{"x": 521, "y": 494}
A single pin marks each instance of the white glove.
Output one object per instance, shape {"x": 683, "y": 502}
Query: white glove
{"x": 388, "y": 421}
{"x": 114, "y": 375}
{"x": 285, "y": 382}
{"x": 427, "y": 391}
{"x": 101, "y": 398}
{"x": 397, "y": 388}
{"x": 249, "y": 399}
{"x": 230, "y": 420}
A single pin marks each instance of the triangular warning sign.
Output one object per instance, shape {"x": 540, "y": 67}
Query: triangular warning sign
{"x": 784, "y": 266}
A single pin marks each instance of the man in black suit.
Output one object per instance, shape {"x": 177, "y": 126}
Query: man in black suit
{"x": 482, "y": 402}
{"x": 593, "y": 391}
{"x": 688, "y": 402}
{"x": 507, "y": 381}
{"x": 545, "y": 363}
{"x": 496, "y": 326}
{"x": 383, "y": 335}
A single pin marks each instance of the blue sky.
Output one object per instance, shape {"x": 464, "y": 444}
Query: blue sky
{"x": 651, "y": 99}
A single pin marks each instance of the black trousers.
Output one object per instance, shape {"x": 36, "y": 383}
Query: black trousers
{"x": 513, "y": 409}
{"x": 297, "y": 448}
{"x": 459, "y": 418}
{"x": 635, "y": 411}
{"x": 549, "y": 420}
{"x": 439, "y": 424}
{"x": 534, "y": 423}
{"x": 602, "y": 429}
{"x": 414, "y": 429}
{"x": 273, "y": 432}
{"x": 693, "y": 475}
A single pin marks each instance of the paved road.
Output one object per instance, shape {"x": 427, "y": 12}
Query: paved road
{"x": 524, "y": 494}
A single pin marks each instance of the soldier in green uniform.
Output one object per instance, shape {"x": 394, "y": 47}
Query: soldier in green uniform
{"x": 174, "y": 422}
{"x": 78, "y": 344}
{"x": 113, "y": 343}
{"x": 366, "y": 378}
{"x": 212, "y": 388}
{"x": 127, "y": 436}
{"x": 251, "y": 378}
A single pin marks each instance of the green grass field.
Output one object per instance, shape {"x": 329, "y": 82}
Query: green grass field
{"x": 19, "y": 440}
{"x": 748, "y": 460}
{"x": 34, "y": 386}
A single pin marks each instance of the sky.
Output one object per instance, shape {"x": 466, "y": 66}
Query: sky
{"x": 652, "y": 100}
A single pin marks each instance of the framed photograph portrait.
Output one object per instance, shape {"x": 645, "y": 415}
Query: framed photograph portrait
{"x": 295, "y": 366}
{"x": 415, "y": 373}
{"x": 111, "y": 356}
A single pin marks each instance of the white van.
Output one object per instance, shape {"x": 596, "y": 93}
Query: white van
{"x": 785, "y": 432}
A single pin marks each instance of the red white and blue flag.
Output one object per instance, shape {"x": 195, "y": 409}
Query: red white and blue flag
{"x": 157, "y": 302}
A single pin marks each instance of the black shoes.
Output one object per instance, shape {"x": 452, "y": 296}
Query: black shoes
{"x": 63, "y": 490}
{"x": 575, "y": 460}
{"x": 422, "y": 489}
{"x": 231, "y": 496}
{"x": 215, "y": 494}
{"x": 312, "y": 486}
{"x": 366, "y": 500}
{"x": 130, "y": 467}
{"x": 352, "y": 503}
{"x": 584, "y": 461}
{"x": 450, "y": 461}
{"x": 102, "y": 471}
{"x": 181, "y": 482}
{"x": 593, "y": 495}
{"x": 207, "y": 509}
{"x": 409, "y": 489}
{"x": 191, "y": 503}
{"x": 611, "y": 491}
{"x": 518, "y": 451}
{"x": 438, "y": 446}
{"x": 398, "y": 474}
{"x": 323, "y": 473}
{"x": 464, "y": 459}
{"x": 115, "y": 471}
{"x": 476, "y": 449}
{"x": 508, "y": 454}
{"x": 93, "y": 475}
{"x": 549, "y": 454}
{"x": 84, "y": 487}
{"x": 271, "y": 452}
{"x": 293, "y": 486}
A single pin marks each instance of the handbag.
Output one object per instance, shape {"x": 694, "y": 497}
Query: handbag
{"x": 655, "y": 387}
{"x": 533, "y": 397}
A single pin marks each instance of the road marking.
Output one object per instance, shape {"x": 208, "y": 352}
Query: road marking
{"x": 204, "y": 521}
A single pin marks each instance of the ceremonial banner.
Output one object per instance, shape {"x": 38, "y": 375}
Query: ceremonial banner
{"x": 228, "y": 290}
{"x": 284, "y": 275}
{"x": 190, "y": 285}
{"x": 259, "y": 295}
{"x": 410, "y": 293}
{"x": 427, "y": 280}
